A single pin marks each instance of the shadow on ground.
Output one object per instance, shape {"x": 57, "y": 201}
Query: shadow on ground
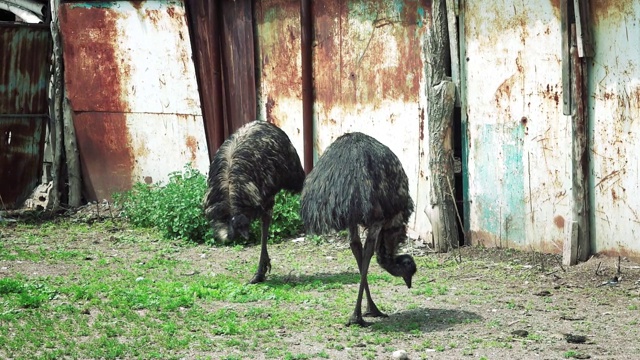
{"x": 425, "y": 320}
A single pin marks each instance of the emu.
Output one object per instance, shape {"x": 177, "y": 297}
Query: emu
{"x": 247, "y": 172}
{"x": 360, "y": 181}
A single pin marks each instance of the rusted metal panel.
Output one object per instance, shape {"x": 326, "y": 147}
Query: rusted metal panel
{"x": 21, "y": 150}
{"x": 204, "y": 27}
{"x": 131, "y": 80}
{"x": 614, "y": 110}
{"x": 369, "y": 71}
{"x": 24, "y": 67}
{"x": 519, "y": 141}
{"x": 24, "y": 70}
{"x": 129, "y": 57}
{"x": 238, "y": 67}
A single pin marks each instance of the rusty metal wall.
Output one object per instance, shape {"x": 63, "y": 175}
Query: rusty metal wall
{"x": 518, "y": 140}
{"x": 24, "y": 73}
{"x": 132, "y": 86}
{"x": 369, "y": 68}
{"x": 614, "y": 108}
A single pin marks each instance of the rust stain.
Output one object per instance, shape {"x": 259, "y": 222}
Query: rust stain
{"x": 280, "y": 46}
{"x": 559, "y": 221}
{"x": 620, "y": 251}
{"x": 367, "y": 52}
{"x": 270, "y": 105}
{"x": 486, "y": 239}
{"x": 192, "y": 145}
{"x": 555, "y": 5}
{"x": 153, "y": 15}
{"x": 105, "y": 153}
{"x": 91, "y": 49}
{"x": 614, "y": 195}
{"x": 611, "y": 11}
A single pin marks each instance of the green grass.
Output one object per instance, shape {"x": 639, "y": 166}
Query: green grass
{"x": 111, "y": 291}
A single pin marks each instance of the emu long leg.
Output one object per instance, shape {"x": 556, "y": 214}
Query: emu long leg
{"x": 264, "y": 263}
{"x": 356, "y": 317}
{"x": 356, "y": 249}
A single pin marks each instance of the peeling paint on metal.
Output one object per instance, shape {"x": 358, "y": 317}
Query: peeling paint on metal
{"x": 614, "y": 110}
{"x": 133, "y": 78}
{"x": 519, "y": 164}
{"x": 24, "y": 75}
{"x": 21, "y": 151}
{"x": 369, "y": 71}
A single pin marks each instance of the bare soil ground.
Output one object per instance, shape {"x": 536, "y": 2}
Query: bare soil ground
{"x": 494, "y": 304}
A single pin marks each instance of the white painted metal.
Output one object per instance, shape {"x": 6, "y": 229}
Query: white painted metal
{"x": 158, "y": 84}
{"x": 154, "y": 51}
{"x": 162, "y": 143}
{"x": 614, "y": 115}
{"x": 519, "y": 142}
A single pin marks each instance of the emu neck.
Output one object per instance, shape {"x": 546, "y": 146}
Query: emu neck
{"x": 389, "y": 264}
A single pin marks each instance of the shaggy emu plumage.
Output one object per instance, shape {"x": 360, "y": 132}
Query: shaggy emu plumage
{"x": 359, "y": 181}
{"x": 249, "y": 169}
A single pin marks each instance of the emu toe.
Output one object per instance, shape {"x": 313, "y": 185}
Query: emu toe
{"x": 354, "y": 320}
{"x": 257, "y": 278}
{"x": 375, "y": 313}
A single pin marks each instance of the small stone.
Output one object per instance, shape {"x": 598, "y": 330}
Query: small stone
{"x": 575, "y": 339}
{"x": 520, "y": 333}
{"x": 400, "y": 355}
{"x": 139, "y": 279}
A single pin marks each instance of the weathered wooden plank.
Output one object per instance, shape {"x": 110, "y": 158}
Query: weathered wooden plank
{"x": 583, "y": 30}
{"x": 71, "y": 155}
{"x": 579, "y": 154}
{"x": 452, "y": 23}
{"x": 55, "y": 132}
{"x": 570, "y": 246}
{"x": 566, "y": 61}
{"x": 238, "y": 63}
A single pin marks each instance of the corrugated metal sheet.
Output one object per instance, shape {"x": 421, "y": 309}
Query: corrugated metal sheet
{"x": 368, "y": 77}
{"x": 132, "y": 85}
{"x": 614, "y": 107}
{"x": 24, "y": 70}
{"x": 519, "y": 142}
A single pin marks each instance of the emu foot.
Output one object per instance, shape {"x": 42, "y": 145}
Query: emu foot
{"x": 375, "y": 313}
{"x": 355, "y": 320}
{"x": 258, "y": 278}
{"x": 261, "y": 274}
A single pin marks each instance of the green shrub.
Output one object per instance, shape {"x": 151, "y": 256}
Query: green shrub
{"x": 286, "y": 220}
{"x": 175, "y": 209}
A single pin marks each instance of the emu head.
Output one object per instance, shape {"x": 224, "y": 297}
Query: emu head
{"x": 407, "y": 268}
{"x": 239, "y": 225}
{"x": 397, "y": 265}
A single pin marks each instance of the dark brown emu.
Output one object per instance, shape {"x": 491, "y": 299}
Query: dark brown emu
{"x": 247, "y": 172}
{"x": 359, "y": 181}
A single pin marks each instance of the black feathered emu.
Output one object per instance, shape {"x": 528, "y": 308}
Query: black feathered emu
{"x": 247, "y": 172}
{"x": 360, "y": 181}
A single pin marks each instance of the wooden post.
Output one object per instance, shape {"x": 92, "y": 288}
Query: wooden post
{"x": 55, "y": 123}
{"x": 452, "y": 22}
{"x": 441, "y": 97}
{"x": 566, "y": 63}
{"x": 579, "y": 154}
{"x": 71, "y": 154}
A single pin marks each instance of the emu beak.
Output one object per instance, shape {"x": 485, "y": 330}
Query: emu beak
{"x": 245, "y": 234}
{"x": 407, "y": 280}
